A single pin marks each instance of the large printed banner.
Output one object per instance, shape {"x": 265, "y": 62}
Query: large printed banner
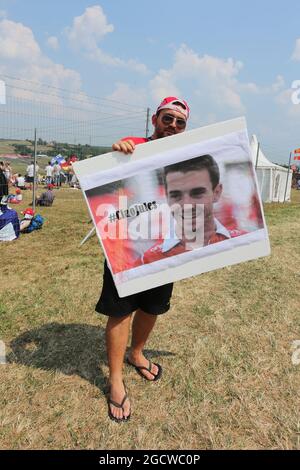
{"x": 177, "y": 207}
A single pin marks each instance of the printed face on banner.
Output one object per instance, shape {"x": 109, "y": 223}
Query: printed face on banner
{"x": 178, "y": 213}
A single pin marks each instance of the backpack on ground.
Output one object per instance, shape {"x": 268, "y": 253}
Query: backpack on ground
{"x": 35, "y": 224}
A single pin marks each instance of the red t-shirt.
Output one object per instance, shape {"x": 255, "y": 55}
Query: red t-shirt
{"x": 137, "y": 140}
{"x": 155, "y": 253}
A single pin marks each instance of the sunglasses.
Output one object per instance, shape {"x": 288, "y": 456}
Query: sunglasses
{"x": 168, "y": 119}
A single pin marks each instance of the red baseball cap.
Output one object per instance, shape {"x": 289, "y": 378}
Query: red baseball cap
{"x": 171, "y": 102}
{"x": 29, "y": 213}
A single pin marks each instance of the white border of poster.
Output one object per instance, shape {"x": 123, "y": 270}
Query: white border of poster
{"x": 114, "y": 166}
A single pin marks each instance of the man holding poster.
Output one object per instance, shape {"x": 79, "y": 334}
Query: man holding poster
{"x": 170, "y": 119}
{"x": 173, "y": 209}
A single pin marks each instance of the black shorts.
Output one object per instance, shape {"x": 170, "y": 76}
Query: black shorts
{"x": 154, "y": 301}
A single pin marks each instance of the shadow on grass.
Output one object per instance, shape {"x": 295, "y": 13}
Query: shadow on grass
{"x": 73, "y": 349}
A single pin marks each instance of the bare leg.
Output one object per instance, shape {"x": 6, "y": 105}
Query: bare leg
{"x": 117, "y": 333}
{"x": 142, "y": 326}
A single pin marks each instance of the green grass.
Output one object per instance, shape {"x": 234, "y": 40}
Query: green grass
{"x": 225, "y": 346}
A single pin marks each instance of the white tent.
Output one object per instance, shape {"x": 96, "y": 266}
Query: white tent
{"x": 274, "y": 181}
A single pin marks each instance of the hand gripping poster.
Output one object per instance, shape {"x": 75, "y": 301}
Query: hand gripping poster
{"x": 177, "y": 207}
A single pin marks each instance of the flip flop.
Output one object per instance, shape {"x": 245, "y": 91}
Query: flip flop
{"x": 118, "y": 405}
{"x": 140, "y": 368}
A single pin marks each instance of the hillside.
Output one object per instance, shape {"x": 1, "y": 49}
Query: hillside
{"x": 49, "y": 149}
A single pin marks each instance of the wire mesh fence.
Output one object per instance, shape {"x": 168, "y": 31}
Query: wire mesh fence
{"x": 63, "y": 118}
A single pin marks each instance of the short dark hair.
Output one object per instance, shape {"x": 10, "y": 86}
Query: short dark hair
{"x": 203, "y": 162}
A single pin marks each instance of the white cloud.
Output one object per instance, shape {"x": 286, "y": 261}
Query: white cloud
{"x": 17, "y": 42}
{"x": 86, "y": 33}
{"x": 285, "y": 97}
{"x": 272, "y": 89}
{"x": 278, "y": 84}
{"x": 211, "y": 80}
{"x": 289, "y": 101}
{"x": 296, "y": 53}
{"x": 53, "y": 43}
{"x": 123, "y": 93}
{"x": 163, "y": 85}
{"x": 211, "y": 84}
{"x": 89, "y": 28}
{"x": 99, "y": 56}
{"x": 249, "y": 88}
{"x": 21, "y": 56}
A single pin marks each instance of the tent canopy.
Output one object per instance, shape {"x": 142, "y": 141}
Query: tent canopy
{"x": 274, "y": 181}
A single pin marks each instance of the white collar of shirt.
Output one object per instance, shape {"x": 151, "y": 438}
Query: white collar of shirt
{"x": 170, "y": 243}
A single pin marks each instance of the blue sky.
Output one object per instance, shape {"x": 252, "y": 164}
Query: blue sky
{"x": 226, "y": 59}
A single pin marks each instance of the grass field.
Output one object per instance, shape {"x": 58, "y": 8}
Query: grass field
{"x": 225, "y": 346}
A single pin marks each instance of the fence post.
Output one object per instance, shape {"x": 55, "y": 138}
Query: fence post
{"x": 34, "y": 172}
{"x": 287, "y": 177}
{"x": 147, "y": 122}
{"x": 257, "y": 153}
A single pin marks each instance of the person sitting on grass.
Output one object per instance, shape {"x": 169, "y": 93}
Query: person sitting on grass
{"x": 3, "y": 181}
{"x": 9, "y": 222}
{"x": 15, "y": 198}
{"x": 21, "y": 181}
{"x": 31, "y": 221}
{"x": 47, "y": 197}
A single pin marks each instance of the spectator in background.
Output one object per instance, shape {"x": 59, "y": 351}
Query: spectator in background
{"x": 3, "y": 181}
{"x": 15, "y": 198}
{"x": 56, "y": 174}
{"x": 19, "y": 196}
{"x": 9, "y": 222}
{"x": 21, "y": 181}
{"x": 49, "y": 173}
{"x": 14, "y": 179}
{"x": 8, "y": 171}
{"x": 47, "y": 197}
{"x": 30, "y": 172}
{"x": 74, "y": 182}
{"x": 26, "y": 221}
{"x": 31, "y": 221}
